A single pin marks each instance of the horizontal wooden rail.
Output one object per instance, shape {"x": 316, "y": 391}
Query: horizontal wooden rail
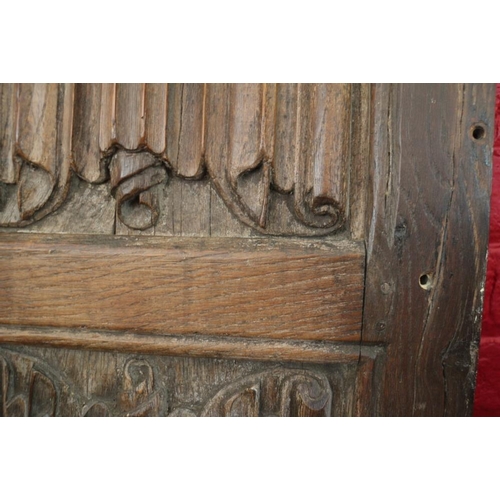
{"x": 272, "y": 288}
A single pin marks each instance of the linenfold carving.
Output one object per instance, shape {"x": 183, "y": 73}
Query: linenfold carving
{"x": 256, "y": 142}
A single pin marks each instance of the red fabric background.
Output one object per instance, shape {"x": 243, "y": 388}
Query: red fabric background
{"x": 487, "y": 400}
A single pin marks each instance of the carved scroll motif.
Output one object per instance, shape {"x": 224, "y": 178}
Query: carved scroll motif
{"x": 30, "y": 386}
{"x": 287, "y": 138}
{"x": 294, "y": 393}
{"x": 272, "y": 151}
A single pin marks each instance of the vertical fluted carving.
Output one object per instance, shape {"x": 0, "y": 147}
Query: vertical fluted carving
{"x": 36, "y": 124}
{"x": 9, "y": 171}
{"x": 186, "y": 129}
{"x": 253, "y": 139}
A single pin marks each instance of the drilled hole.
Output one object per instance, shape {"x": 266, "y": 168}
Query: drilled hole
{"x": 478, "y": 132}
{"x": 425, "y": 281}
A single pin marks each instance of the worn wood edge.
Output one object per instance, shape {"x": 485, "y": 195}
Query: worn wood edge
{"x": 37, "y": 241}
{"x": 368, "y": 389}
{"x": 360, "y": 158}
{"x": 192, "y": 345}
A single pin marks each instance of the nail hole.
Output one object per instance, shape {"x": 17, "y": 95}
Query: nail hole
{"x": 478, "y": 132}
{"x": 425, "y": 281}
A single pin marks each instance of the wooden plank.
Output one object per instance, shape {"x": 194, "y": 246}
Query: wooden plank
{"x": 268, "y": 288}
{"x": 426, "y": 242}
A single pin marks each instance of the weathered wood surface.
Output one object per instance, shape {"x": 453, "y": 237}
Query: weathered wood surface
{"x": 427, "y": 240}
{"x": 249, "y": 288}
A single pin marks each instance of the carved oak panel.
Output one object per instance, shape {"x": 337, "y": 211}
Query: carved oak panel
{"x": 53, "y": 382}
{"x": 283, "y": 157}
{"x": 242, "y": 249}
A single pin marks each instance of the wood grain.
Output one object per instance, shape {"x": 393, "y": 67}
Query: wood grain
{"x": 426, "y": 242}
{"x": 269, "y": 289}
{"x": 360, "y": 159}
